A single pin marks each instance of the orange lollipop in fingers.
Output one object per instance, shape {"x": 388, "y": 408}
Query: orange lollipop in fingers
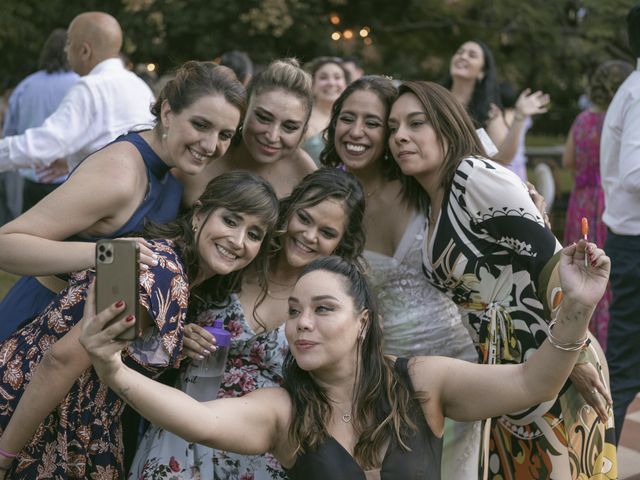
{"x": 584, "y": 230}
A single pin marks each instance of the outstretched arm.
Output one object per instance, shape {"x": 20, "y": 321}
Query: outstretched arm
{"x": 501, "y": 389}
{"x": 253, "y": 424}
{"x": 105, "y": 185}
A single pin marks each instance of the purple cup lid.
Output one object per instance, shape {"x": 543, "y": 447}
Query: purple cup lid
{"x": 223, "y": 337}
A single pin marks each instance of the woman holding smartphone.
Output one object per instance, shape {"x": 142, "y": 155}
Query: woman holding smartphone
{"x": 201, "y": 253}
{"x": 346, "y": 408}
{"x": 321, "y": 217}
{"x": 119, "y": 188}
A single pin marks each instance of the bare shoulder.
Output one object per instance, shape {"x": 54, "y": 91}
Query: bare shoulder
{"x": 426, "y": 375}
{"x": 303, "y": 163}
{"x": 118, "y": 166}
{"x": 277, "y": 402}
{"x": 276, "y": 399}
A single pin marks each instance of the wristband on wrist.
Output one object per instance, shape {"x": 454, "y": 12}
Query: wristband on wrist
{"x": 574, "y": 346}
{"x": 6, "y": 454}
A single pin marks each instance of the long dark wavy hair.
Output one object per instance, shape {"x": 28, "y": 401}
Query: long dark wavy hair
{"x": 454, "y": 130}
{"x": 386, "y": 91}
{"x": 338, "y": 185}
{"x": 240, "y": 192}
{"x": 486, "y": 91}
{"x": 382, "y": 403}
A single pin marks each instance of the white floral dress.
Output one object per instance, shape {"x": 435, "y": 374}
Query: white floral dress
{"x": 254, "y": 361}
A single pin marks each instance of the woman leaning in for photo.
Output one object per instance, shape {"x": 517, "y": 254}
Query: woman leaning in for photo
{"x": 417, "y": 318}
{"x": 346, "y": 408}
{"x": 58, "y": 418}
{"x": 486, "y": 246}
{"x": 119, "y": 188}
{"x": 322, "y": 216}
{"x": 280, "y": 102}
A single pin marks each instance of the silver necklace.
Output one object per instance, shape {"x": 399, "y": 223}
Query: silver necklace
{"x": 346, "y": 417}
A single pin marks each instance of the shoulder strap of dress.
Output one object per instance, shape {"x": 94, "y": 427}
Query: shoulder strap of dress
{"x": 149, "y": 156}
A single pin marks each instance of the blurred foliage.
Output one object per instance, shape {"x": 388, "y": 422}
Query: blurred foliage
{"x": 549, "y": 45}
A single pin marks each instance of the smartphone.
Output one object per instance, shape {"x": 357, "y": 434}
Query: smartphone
{"x": 117, "y": 279}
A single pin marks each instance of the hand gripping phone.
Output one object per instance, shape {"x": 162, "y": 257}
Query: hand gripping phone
{"x": 117, "y": 279}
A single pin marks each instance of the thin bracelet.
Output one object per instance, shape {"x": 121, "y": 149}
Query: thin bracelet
{"x": 574, "y": 346}
{"x": 6, "y": 454}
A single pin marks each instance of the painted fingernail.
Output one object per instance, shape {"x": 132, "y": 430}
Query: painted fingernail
{"x": 199, "y": 357}
{"x": 206, "y": 352}
{"x": 119, "y": 303}
{"x": 130, "y": 318}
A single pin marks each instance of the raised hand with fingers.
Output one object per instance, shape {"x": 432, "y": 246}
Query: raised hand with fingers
{"x": 147, "y": 256}
{"x": 529, "y": 104}
{"x": 584, "y": 284}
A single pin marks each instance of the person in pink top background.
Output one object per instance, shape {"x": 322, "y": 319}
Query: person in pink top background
{"x": 582, "y": 155}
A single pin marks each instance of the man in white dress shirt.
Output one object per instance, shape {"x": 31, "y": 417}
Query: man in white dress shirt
{"x": 106, "y": 102}
{"x": 620, "y": 172}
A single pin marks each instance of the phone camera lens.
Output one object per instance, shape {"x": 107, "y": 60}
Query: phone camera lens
{"x": 108, "y": 253}
{"x": 101, "y": 248}
{"x": 102, "y": 258}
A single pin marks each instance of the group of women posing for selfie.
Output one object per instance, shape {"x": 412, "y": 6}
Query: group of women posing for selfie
{"x": 346, "y": 291}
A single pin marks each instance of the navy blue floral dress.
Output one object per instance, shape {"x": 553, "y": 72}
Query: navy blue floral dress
{"x": 82, "y": 437}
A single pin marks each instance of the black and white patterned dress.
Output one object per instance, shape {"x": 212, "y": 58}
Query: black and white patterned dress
{"x": 487, "y": 252}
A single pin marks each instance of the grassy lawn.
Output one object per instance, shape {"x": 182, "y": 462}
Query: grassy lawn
{"x": 6, "y": 280}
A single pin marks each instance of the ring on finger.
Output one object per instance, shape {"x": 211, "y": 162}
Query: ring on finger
{"x": 594, "y": 392}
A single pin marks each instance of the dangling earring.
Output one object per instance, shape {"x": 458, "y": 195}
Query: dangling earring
{"x": 195, "y": 229}
{"x": 164, "y": 135}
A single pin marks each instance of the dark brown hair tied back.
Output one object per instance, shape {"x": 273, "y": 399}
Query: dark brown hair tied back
{"x": 194, "y": 80}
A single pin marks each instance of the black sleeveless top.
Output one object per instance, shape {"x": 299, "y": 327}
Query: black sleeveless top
{"x": 331, "y": 461}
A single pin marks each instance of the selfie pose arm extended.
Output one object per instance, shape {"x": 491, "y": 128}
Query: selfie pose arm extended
{"x": 250, "y": 425}
{"x": 502, "y": 389}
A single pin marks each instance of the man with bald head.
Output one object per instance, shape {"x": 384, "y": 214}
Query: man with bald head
{"x": 106, "y": 102}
